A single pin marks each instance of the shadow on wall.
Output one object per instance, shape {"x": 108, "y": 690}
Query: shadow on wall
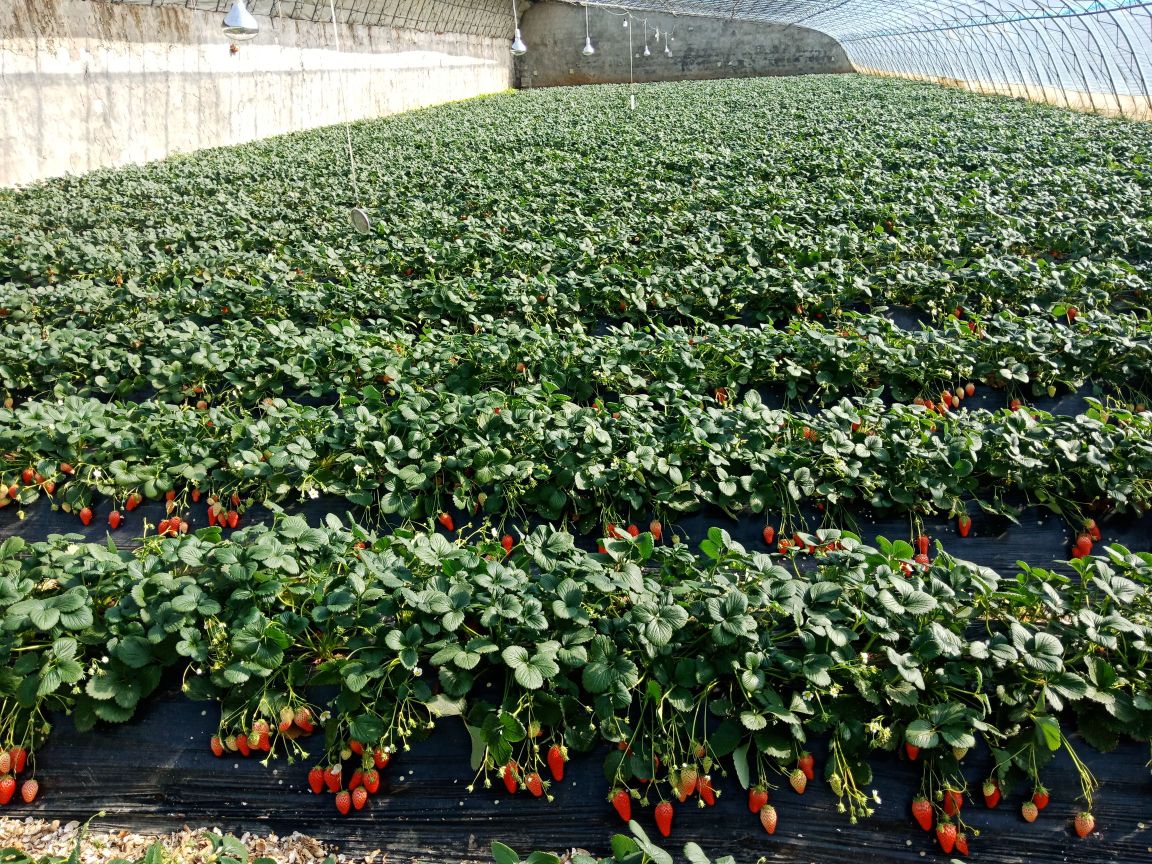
{"x": 686, "y": 48}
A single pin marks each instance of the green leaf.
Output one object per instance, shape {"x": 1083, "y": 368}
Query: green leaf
{"x": 503, "y": 854}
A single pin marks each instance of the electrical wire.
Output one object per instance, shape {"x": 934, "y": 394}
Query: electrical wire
{"x": 347, "y": 125}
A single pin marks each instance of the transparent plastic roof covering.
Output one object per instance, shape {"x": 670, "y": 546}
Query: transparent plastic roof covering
{"x": 1086, "y": 54}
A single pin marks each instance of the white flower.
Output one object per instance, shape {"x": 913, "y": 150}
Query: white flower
{"x": 313, "y": 493}
{"x": 417, "y": 671}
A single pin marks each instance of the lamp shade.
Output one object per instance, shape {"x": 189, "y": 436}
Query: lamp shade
{"x": 518, "y": 46}
{"x": 239, "y": 25}
{"x": 588, "y": 49}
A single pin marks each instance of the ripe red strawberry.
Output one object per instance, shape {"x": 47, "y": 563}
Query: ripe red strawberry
{"x": 303, "y": 719}
{"x": 556, "y": 761}
{"x": 380, "y": 758}
{"x": 66, "y": 468}
{"x": 1073, "y": 312}
{"x": 133, "y": 502}
{"x": 359, "y": 797}
{"x": 912, "y": 750}
{"x": 7, "y": 788}
{"x": 26, "y": 476}
{"x": 535, "y": 784}
{"x": 991, "y": 792}
{"x": 622, "y": 801}
{"x": 356, "y": 747}
{"x": 19, "y": 758}
{"x": 654, "y": 527}
{"x": 687, "y": 784}
{"x": 768, "y": 818}
{"x": 343, "y": 802}
{"x": 707, "y": 793}
{"x": 29, "y": 790}
{"x": 633, "y": 531}
{"x": 445, "y": 519}
{"x": 807, "y": 764}
{"x": 507, "y": 542}
{"x": 233, "y": 518}
{"x": 798, "y": 780}
{"x": 356, "y": 781}
{"x": 964, "y": 524}
{"x": 961, "y": 844}
{"x": 49, "y": 487}
{"x": 757, "y": 798}
{"x": 922, "y": 543}
{"x": 114, "y": 519}
{"x": 1029, "y": 811}
{"x": 334, "y": 778}
{"x": 664, "y": 818}
{"x": 86, "y": 515}
{"x": 969, "y": 389}
{"x": 217, "y": 745}
{"x": 922, "y": 559}
{"x": 946, "y": 834}
{"x": 509, "y": 775}
{"x": 953, "y": 801}
{"x": 1040, "y": 797}
{"x": 372, "y": 780}
{"x": 1090, "y": 526}
{"x": 1084, "y": 824}
{"x": 286, "y": 717}
{"x": 211, "y": 517}
{"x": 13, "y": 491}
{"x": 1084, "y": 544}
{"x": 195, "y": 495}
{"x": 769, "y": 534}
{"x": 242, "y": 745}
{"x": 316, "y": 780}
{"x": 922, "y": 812}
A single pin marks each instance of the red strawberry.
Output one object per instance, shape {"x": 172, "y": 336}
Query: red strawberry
{"x": 1091, "y": 527}
{"x": 316, "y": 780}
{"x": 356, "y": 781}
{"x": 7, "y": 788}
{"x": 769, "y": 534}
{"x": 26, "y": 476}
{"x": 343, "y": 802}
{"x": 664, "y": 818}
{"x": 217, "y": 745}
{"x": 946, "y": 834}
{"x": 687, "y": 784}
{"x": 86, "y": 515}
{"x": 922, "y": 543}
{"x": 133, "y": 502}
{"x": 969, "y": 389}
{"x": 195, "y": 495}
{"x": 964, "y": 524}
{"x": 233, "y": 518}
{"x": 535, "y": 784}
{"x": 19, "y": 757}
{"x": 509, "y": 774}
{"x": 235, "y": 499}
{"x": 807, "y": 764}
{"x": 1073, "y": 312}
{"x": 757, "y": 798}
{"x": 556, "y": 761}
{"x": 922, "y": 812}
{"x": 953, "y": 801}
{"x": 707, "y": 793}
{"x": 372, "y": 780}
{"x": 798, "y": 780}
{"x": 621, "y": 800}
{"x": 334, "y": 778}
{"x": 380, "y": 758}
{"x": 1040, "y": 797}
{"x": 242, "y": 745}
{"x": 356, "y": 747}
{"x": 13, "y": 491}
{"x": 922, "y": 559}
{"x": 114, "y": 519}
{"x": 66, "y": 468}
{"x": 1084, "y": 544}
{"x": 633, "y": 530}
{"x": 28, "y": 791}
{"x": 656, "y": 529}
{"x": 445, "y": 519}
{"x": 303, "y": 719}
{"x": 1085, "y": 824}
{"x": 49, "y": 487}
{"x": 912, "y": 750}
{"x": 211, "y": 517}
{"x": 768, "y": 818}
{"x": 359, "y": 797}
{"x": 991, "y": 794}
{"x": 962, "y": 844}
{"x": 1029, "y": 811}
{"x": 507, "y": 542}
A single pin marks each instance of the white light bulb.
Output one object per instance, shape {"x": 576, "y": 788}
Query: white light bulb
{"x": 588, "y": 49}
{"x": 239, "y": 25}
{"x": 518, "y": 47}
{"x": 647, "y": 53}
{"x": 625, "y": 22}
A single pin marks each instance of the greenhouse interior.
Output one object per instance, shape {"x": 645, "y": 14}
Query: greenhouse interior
{"x": 709, "y": 431}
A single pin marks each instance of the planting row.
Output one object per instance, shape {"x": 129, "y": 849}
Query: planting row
{"x": 248, "y": 360}
{"x": 689, "y": 665}
{"x": 535, "y": 452}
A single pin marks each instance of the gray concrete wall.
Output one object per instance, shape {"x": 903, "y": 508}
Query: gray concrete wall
{"x": 701, "y": 48}
{"x": 85, "y": 85}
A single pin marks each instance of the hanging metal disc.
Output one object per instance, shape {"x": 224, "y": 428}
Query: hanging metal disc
{"x": 360, "y": 221}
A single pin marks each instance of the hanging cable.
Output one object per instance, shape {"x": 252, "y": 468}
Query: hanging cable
{"x": 347, "y": 125}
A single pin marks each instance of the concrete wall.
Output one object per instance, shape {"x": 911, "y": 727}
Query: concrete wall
{"x": 701, "y": 48}
{"x": 86, "y": 84}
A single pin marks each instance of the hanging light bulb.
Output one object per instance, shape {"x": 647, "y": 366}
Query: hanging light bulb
{"x": 667, "y": 50}
{"x": 647, "y": 53}
{"x": 519, "y": 49}
{"x": 588, "y": 49}
{"x": 625, "y": 22}
{"x": 239, "y": 25}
